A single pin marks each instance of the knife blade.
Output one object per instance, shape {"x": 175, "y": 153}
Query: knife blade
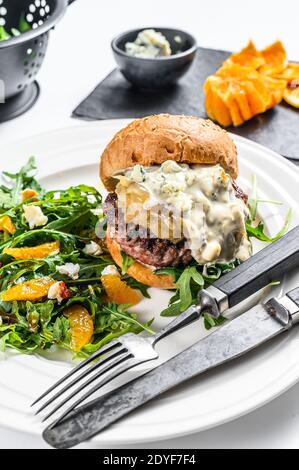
{"x": 250, "y": 330}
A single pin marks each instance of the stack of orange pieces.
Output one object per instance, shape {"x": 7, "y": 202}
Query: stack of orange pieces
{"x": 251, "y": 82}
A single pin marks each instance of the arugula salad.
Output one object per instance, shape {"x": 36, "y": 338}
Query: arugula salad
{"x": 58, "y": 283}
{"x": 51, "y": 266}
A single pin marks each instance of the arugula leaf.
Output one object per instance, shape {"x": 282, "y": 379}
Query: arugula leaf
{"x": 258, "y": 230}
{"x": 138, "y": 285}
{"x": 127, "y": 261}
{"x": 211, "y": 322}
{"x": 190, "y": 281}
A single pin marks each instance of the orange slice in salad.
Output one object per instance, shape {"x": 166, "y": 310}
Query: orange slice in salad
{"x": 81, "y": 326}
{"x": 7, "y": 224}
{"x": 31, "y": 252}
{"x": 30, "y": 290}
{"x": 118, "y": 291}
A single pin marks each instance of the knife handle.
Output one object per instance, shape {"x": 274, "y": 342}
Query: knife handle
{"x": 269, "y": 264}
{"x": 294, "y": 295}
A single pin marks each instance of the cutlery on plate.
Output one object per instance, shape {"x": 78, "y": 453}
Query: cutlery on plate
{"x": 250, "y": 330}
{"x": 131, "y": 350}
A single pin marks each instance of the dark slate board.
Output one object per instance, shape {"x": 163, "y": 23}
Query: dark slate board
{"x": 114, "y": 98}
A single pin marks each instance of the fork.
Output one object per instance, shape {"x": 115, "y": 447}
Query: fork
{"x": 130, "y": 350}
{"x": 119, "y": 356}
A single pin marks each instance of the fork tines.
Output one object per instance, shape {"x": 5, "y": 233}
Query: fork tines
{"x": 116, "y": 359}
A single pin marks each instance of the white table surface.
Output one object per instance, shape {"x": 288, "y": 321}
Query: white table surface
{"x": 78, "y": 58}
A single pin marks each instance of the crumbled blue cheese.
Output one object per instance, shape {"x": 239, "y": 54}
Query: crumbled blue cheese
{"x": 149, "y": 44}
{"x": 93, "y": 249}
{"x": 69, "y": 269}
{"x": 110, "y": 269}
{"x": 34, "y": 216}
{"x": 54, "y": 292}
{"x": 195, "y": 202}
{"x": 91, "y": 198}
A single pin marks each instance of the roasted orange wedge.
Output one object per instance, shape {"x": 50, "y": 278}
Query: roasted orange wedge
{"x": 31, "y": 252}
{"x": 30, "y": 290}
{"x": 118, "y": 291}
{"x": 291, "y": 95}
{"x": 7, "y": 224}
{"x": 81, "y": 325}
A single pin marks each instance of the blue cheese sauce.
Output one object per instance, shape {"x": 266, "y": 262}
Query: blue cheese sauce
{"x": 196, "y": 203}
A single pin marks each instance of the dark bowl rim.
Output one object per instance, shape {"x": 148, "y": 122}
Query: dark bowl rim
{"x": 35, "y": 33}
{"x": 185, "y": 53}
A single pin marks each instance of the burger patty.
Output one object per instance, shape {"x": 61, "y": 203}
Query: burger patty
{"x": 141, "y": 245}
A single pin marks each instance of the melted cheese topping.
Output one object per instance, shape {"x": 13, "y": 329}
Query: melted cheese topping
{"x": 196, "y": 202}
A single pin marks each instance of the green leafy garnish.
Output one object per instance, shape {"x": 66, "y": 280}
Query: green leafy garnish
{"x": 255, "y": 227}
{"x": 127, "y": 261}
{"x": 190, "y": 281}
{"x": 258, "y": 232}
{"x": 211, "y": 322}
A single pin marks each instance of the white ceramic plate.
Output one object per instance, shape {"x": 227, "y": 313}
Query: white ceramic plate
{"x": 70, "y": 156}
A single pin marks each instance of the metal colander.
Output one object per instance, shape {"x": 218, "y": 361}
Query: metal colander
{"x": 21, "y": 57}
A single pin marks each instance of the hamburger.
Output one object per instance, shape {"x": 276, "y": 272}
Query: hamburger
{"x": 173, "y": 200}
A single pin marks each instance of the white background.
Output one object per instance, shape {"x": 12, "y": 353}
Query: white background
{"x": 79, "y": 57}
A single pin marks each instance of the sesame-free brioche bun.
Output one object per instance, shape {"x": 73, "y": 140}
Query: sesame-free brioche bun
{"x": 139, "y": 271}
{"x": 154, "y": 139}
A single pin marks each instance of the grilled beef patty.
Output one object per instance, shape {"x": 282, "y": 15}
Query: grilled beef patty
{"x": 138, "y": 242}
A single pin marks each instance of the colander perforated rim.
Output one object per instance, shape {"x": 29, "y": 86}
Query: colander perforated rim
{"x": 34, "y": 33}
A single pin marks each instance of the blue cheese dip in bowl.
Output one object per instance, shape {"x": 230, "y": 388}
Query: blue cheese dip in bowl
{"x": 154, "y": 58}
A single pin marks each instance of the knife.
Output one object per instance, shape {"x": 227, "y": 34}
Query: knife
{"x": 255, "y": 327}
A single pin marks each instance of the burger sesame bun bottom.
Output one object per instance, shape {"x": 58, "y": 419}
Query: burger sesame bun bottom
{"x": 139, "y": 271}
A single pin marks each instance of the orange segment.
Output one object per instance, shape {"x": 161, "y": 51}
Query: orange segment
{"x": 275, "y": 59}
{"x": 242, "y": 101}
{"x": 276, "y": 88}
{"x": 290, "y": 73}
{"x": 7, "y": 224}
{"x": 222, "y": 114}
{"x": 249, "y": 57}
{"x": 119, "y": 292}
{"x": 245, "y": 75}
{"x": 29, "y": 193}
{"x": 291, "y": 95}
{"x": 81, "y": 325}
{"x": 234, "y": 109}
{"x": 256, "y": 102}
{"x": 215, "y": 106}
{"x": 40, "y": 251}
{"x": 30, "y": 290}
